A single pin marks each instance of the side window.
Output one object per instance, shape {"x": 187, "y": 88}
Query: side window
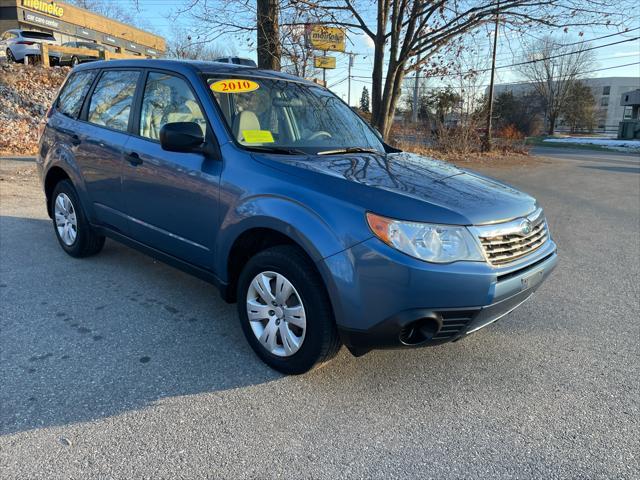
{"x": 111, "y": 100}
{"x": 167, "y": 99}
{"x": 74, "y": 91}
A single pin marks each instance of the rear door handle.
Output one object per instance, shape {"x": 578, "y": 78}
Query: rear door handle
{"x": 133, "y": 158}
{"x": 75, "y": 140}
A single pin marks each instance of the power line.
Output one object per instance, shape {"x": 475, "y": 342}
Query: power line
{"x": 524, "y": 82}
{"x": 523, "y": 63}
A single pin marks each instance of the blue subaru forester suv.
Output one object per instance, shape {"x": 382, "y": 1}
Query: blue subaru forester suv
{"x": 274, "y": 190}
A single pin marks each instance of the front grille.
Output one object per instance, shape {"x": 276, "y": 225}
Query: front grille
{"x": 507, "y": 243}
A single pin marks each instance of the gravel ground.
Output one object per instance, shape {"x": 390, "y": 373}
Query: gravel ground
{"x": 121, "y": 367}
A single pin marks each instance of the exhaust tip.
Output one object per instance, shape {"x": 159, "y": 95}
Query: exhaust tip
{"x": 420, "y": 331}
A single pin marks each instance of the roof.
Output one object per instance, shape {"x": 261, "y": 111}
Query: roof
{"x": 195, "y": 66}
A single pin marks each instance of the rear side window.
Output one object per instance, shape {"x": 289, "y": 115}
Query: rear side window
{"x": 74, "y": 91}
{"x": 112, "y": 98}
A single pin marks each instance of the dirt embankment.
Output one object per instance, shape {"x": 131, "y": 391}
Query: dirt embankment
{"x": 26, "y": 92}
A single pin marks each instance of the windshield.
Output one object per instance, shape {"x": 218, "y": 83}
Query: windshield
{"x": 280, "y": 115}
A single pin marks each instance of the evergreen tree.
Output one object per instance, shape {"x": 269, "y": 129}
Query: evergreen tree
{"x": 364, "y": 100}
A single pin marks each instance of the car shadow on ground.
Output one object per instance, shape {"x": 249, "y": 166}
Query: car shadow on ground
{"x": 83, "y": 339}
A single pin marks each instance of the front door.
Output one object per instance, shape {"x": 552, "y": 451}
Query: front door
{"x": 171, "y": 198}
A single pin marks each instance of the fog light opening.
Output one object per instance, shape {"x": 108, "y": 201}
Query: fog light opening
{"x": 419, "y": 331}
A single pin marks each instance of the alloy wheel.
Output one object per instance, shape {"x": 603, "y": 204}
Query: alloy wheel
{"x": 276, "y": 313}
{"x": 66, "y": 221}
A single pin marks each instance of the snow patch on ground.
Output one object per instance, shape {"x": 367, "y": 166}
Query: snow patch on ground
{"x": 607, "y": 142}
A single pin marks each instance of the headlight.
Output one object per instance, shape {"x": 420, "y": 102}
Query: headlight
{"x": 426, "y": 241}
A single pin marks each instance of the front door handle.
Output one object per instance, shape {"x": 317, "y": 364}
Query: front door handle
{"x": 133, "y": 158}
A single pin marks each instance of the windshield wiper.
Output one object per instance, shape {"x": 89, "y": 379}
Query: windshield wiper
{"x": 338, "y": 151}
{"x": 283, "y": 150}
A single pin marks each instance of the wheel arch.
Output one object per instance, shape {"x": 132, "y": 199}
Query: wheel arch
{"x": 54, "y": 175}
{"x": 275, "y": 221}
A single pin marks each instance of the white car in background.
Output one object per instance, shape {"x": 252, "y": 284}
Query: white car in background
{"x": 16, "y": 44}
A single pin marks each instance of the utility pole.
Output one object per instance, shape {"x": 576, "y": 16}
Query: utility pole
{"x": 486, "y": 144}
{"x": 349, "y": 78}
{"x": 414, "y": 112}
{"x": 324, "y": 71}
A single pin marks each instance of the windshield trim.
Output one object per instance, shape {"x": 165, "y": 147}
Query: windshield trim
{"x": 207, "y": 75}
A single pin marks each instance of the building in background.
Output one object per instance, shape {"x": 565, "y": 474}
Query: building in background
{"x": 630, "y": 124}
{"x": 68, "y": 23}
{"x": 606, "y": 91}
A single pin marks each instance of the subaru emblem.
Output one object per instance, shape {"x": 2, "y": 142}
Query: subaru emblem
{"x": 525, "y": 227}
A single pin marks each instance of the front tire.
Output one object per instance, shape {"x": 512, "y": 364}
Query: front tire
{"x": 73, "y": 231}
{"x": 285, "y": 312}
{"x": 10, "y": 57}
{"x": 74, "y": 61}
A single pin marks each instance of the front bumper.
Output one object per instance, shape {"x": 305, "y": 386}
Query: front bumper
{"x": 382, "y": 296}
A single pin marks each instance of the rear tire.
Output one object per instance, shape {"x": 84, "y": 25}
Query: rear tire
{"x": 318, "y": 341}
{"x": 72, "y": 229}
{"x": 74, "y": 61}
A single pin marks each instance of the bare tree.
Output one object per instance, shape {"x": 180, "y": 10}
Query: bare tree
{"x": 183, "y": 45}
{"x": 267, "y": 25}
{"x": 404, "y": 30}
{"x": 297, "y": 57}
{"x": 553, "y": 69}
{"x": 408, "y": 35}
{"x": 275, "y": 29}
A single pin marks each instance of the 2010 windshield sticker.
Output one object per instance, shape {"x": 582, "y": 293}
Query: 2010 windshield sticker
{"x": 234, "y": 85}
{"x": 257, "y": 136}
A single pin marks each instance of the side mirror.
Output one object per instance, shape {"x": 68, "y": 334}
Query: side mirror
{"x": 181, "y": 137}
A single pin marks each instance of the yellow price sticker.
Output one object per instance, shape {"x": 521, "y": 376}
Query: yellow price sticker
{"x": 234, "y": 85}
{"x": 257, "y": 136}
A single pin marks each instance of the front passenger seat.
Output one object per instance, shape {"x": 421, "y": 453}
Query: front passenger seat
{"x": 245, "y": 120}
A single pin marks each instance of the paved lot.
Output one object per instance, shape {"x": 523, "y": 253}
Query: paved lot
{"x": 121, "y": 367}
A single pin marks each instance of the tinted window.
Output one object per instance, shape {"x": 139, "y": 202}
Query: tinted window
{"x": 167, "y": 99}
{"x": 74, "y": 91}
{"x": 111, "y": 100}
{"x": 46, "y": 36}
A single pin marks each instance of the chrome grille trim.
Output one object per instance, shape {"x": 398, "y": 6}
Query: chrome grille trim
{"x": 508, "y": 242}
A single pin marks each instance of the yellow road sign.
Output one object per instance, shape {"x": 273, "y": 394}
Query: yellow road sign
{"x": 320, "y": 37}
{"x": 324, "y": 62}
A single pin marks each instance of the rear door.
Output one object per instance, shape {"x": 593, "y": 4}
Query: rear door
{"x": 171, "y": 198}
{"x": 100, "y": 140}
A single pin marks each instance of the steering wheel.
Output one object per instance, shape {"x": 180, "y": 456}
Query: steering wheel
{"x": 318, "y": 134}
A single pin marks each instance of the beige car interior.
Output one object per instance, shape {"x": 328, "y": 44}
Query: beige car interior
{"x": 160, "y": 107}
{"x": 245, "y": 120}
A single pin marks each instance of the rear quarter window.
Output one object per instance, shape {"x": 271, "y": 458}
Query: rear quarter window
{"x": 74, "y": 91}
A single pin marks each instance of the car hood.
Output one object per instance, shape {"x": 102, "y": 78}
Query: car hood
{"x": 414, "y": 187}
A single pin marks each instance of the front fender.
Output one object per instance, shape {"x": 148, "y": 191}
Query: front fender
{"x": 281, "y": 214}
